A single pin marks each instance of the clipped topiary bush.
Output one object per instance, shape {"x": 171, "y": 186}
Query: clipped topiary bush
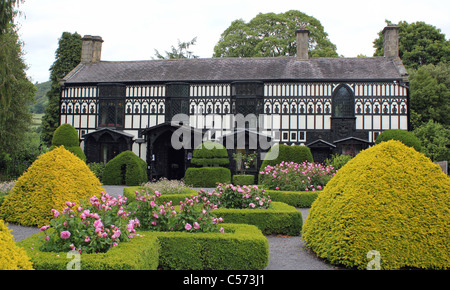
{"x": 12, "y": 257}
{"x": 53, "y": 179}
{"x": 66, "y": 135}
{"x": 407, "y": 138}
{"x": 125, "y": 169}
{"x": 207, "y": 176}
{"x": 209, "y": 154}
{"x": 243, "y": 179}
{"x": 390, "y": 199}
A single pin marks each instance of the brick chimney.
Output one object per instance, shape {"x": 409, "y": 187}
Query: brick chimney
{"x": 302, "y": 43}
{"x": 390, "y": 35}
{"x": 91, "y": 49}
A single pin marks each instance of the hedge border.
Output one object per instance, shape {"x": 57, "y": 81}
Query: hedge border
{"x": 282, "y": 218}
{"x": 301, "y": 199}
{"x": 241, "y": 247}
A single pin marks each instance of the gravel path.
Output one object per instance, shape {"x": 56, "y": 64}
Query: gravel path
{"x": 285, "y": 252}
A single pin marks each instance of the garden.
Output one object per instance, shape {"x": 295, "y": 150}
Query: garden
{"x": 390, "y": 200}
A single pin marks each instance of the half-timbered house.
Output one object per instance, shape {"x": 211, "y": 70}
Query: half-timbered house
{"x": 332, "y": 105}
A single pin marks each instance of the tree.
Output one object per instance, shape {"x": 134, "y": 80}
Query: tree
{"x": 435, "y": 139}
{"x": 180, "y": 52}
{"x": 430, "y": 94}
{"x": 68, "y": 56}
{"x": 270, "y": 35}
{"x": 419, "y": 44}
{"x": 16, "y": 93}
{"x": 7, "y": 13}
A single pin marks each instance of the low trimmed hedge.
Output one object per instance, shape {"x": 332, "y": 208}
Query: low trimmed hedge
{"x": 241, "y": 247}
{"x": 140, "y": 253}
{"x": 243, "y": 179}
{"x": 300, "y": 199}
{"x": 207, "y": 176}
{"x": 281, "y": 218}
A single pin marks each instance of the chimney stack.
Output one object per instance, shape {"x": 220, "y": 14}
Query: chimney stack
{"x": 390, "y": 35}
{"x": 302, "y": 43}
{"x": 91, "y": 49}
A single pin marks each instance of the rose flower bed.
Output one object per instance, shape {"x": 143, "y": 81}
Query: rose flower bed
{"x": 104, "y": 232}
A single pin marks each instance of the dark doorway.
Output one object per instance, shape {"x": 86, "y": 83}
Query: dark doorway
{"x": 105, "y": 144}
{"x": 168, "y": 162}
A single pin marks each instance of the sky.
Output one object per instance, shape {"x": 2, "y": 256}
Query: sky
{"x": 133, "y": 29}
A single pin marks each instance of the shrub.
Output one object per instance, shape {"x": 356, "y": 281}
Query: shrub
{"x": 207, "y": 176}
{"x": 435, "y": 140}
{"x": 194, "y": 214}
{"x": 295, "y": 153}
{"x": 209, "y": 154}
{"x": 92, "y": 227}
{"x": 54, "y": 178}
{"x": 290, "y": 176}
{"x": 389, "y": 198}
{"x": 279, "y": 219}
{"x": 302, "y": 199}
{"x": 12, "y": 257}
{"x": 337, "y": 161}
{"x": 125, "y": 169}
{"x": 407, "y": 138}
{"x": 97, "y": 168}
{"x": 66, "y": 135}
{"x": 243, "y": 179}
{"x": 241, "y": 247}
{"x": 165, "y": 186}
{"x": 130, "y": 194}
{"x": 140, "y": 253}
{"x": 230, "y": 196}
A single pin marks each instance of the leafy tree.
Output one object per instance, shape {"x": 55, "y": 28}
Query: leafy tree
{"x": 435, "y": 139}
{"x": 419, "y": 44}
{"x": 180, "y": 52}
{"x": 7, "y": 13}
{"x": 430, "y": 94}
{"x": 16, "y": 93}
{"x": 68, "y": 56}
{"x": 270, "y": 35}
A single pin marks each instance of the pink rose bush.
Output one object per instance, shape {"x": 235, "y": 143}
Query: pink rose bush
{"x": 290, "y": 176}
{"x": 93, "y": 227}
{"x": 194, "y": 214}
{"x": 234, "y": 196}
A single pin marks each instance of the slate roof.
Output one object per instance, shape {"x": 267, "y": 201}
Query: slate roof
{"x": 238, "y": 69}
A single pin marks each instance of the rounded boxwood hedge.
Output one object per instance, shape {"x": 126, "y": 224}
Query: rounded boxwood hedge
{"x": 207, "y": 176}
{"x": 66, "y": 135}
{"x": 406, "y": 137}
{"x": 243, "y": 179}
{"x": 53, "y": 179}
{"x": 125, "y": 169}
{"x": 389, "y": 198}
{"x": 209, "y": 154}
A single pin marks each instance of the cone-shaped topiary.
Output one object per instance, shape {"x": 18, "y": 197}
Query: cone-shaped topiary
{"x": 209, "y": 154}
{"x": 390, "y": 199}
{"x": 12, "y": 257}
{"x": 53, "y": 179}
{"x": 66, "y": 135}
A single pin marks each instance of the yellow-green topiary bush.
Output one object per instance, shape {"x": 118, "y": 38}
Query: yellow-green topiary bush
{"x": 53, "y": 179}
{"x": 12, "y": 257}
{"x": 390, "y": 199}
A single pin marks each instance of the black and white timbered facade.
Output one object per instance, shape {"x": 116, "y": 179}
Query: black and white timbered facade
{"x": 332, "y": 105}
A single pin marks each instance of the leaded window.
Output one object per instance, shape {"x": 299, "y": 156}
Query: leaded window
{"x": 343, "y": 102}
{"x": 111, "y": 105}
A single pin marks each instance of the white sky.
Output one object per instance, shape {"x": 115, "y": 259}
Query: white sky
{"x": 133, "y": 29}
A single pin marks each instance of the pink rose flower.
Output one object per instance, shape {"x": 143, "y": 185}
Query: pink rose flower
{"x": 188, "y": 227}
{"x": 65, "y": 235}
{"x": 196, "y": 226}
